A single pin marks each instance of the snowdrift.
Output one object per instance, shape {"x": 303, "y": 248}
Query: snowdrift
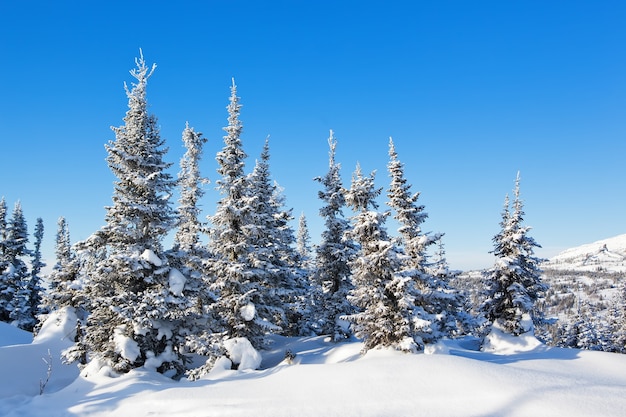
{"x": 515, "y": 377}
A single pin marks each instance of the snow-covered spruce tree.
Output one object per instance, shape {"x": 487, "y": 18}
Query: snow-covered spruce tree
{"x": 66, "y": 281}
{"x": 58, "y": 294}
{"x": 273, "y": 259}
{"x": 14, "y": 289}
{"x": 3, "y": 237}
{"x": 618, "y": 325}
{"x": 453, "y": 301}
{"x": 303, "y": 238}
{"x": 384, "y": 298}
{"x": 34, "y": 283}
{"x": 240, "y": 302}
{"x": 189, "y": 253}
{"x": 330, "y": 282}
{"x": 137, "y": 299}
{"x": 190, "y": 182}
{"x": 438, "y": 308}
{"x": 514, "y": 283}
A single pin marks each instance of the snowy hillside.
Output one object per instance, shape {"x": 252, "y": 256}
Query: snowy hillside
{"x": 517, "y": 377}
{"x": 607, "y": 255}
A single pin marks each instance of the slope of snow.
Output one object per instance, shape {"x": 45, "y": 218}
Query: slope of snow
{"x": 11, "y": 335}
{"x": 25, "y": 367}
{"x": 608, "y": 254}
{"x": 515, "y": 378}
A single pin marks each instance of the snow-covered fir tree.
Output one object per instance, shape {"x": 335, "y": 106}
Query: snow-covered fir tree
{"x": 66, "y": 281}
{"x": 189, "y": 253}
{"x": 58, "y": 292}
{"x": 514, "y": 283}
{"x": 617, "y": 328}
{"x": 14, "y": 282}
{"x": 240, "y": 306}
{"x": 3, "y": 237}
{"x": 384, "y": 299}
{"x": 273, "y": 259}
{"x": 457, "y": 319}
{"x": 138, "y": 300}
{"x": 438, "y": 309}
{"x": 330, "y": 283}
{"x": 34, "y": 283}
{"x": 303, "y": 238}
{"x": 190, "y": 182}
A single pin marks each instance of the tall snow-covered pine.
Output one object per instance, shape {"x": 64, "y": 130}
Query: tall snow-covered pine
{"x": 331, "y": 280}
{"x": 136, "y": 316}
{"x": 514, "y": 283}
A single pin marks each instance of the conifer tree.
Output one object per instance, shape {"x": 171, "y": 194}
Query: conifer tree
{"x": 437, "y": 307}
{"x": 273, "y": 258}
{"x": 190, "y": 182}
{"x": 64, "y": 290}
{"x": 14, "y": 289}
{"x": 189, "y": 254}
{"x": 385, "y": 303}
{"x": 303, "y": 238}
{"x": 331, "y": 280}
{"x": 137, "y": 302}
{"x": 3, "y": 237}
{"x": 34, "y": 284}
{"x": 240, "y": 303}
{"x": 514, "y": 283}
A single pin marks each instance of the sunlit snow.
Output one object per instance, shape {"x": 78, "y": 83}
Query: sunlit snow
{"x": 516, "y": 378}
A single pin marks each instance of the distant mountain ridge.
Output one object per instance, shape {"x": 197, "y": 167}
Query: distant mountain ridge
{"x": 606, "y": 255}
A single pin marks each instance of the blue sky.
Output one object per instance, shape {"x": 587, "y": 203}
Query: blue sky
{"x": 471, "y": 92}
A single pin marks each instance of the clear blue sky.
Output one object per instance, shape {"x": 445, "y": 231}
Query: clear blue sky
{"x": 471, "y": 92}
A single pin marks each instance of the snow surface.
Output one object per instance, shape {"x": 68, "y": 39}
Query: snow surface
{"x": 327, "y": 379}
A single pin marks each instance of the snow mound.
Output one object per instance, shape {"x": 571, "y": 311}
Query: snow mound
{"x": 11, "y": 335}
{"x": 502, "y": 343}
{"x": 242, "y": 353}
{"x": 25, "y": 366}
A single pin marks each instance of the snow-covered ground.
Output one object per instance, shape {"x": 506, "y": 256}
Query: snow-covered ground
{"x": 515, "y": 377}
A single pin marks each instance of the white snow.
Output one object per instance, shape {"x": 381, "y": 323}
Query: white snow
{"x": 247, "y": 312}
{"x": 502, "y": 343}
{"x": 325, "y": 379}
{"x": 241, "y": 352}
{"x": 124, "y": 345}
{"x": 149, "y": 256}
{"x": 176, "y": 282}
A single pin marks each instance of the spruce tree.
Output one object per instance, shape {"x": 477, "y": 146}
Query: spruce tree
{"x": 273, "y": 260}
{"x": 3, "y": 237}
{"x": 190, "y": 182}
{"x": 331, "y": 280}
{"x": 303, "y": 238}
{"x": 137, "y": 302}
{"x": 189, "y": 253}
{"x": 34, "y": 283}
{"x": 514, "y": 283}
{"x": 65, "y": 289}
{"x": 240, "y": 304}
{"x": 383, "y": 298}
{"x": 437, "y": 307}
{"x": 14, "y": 288}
